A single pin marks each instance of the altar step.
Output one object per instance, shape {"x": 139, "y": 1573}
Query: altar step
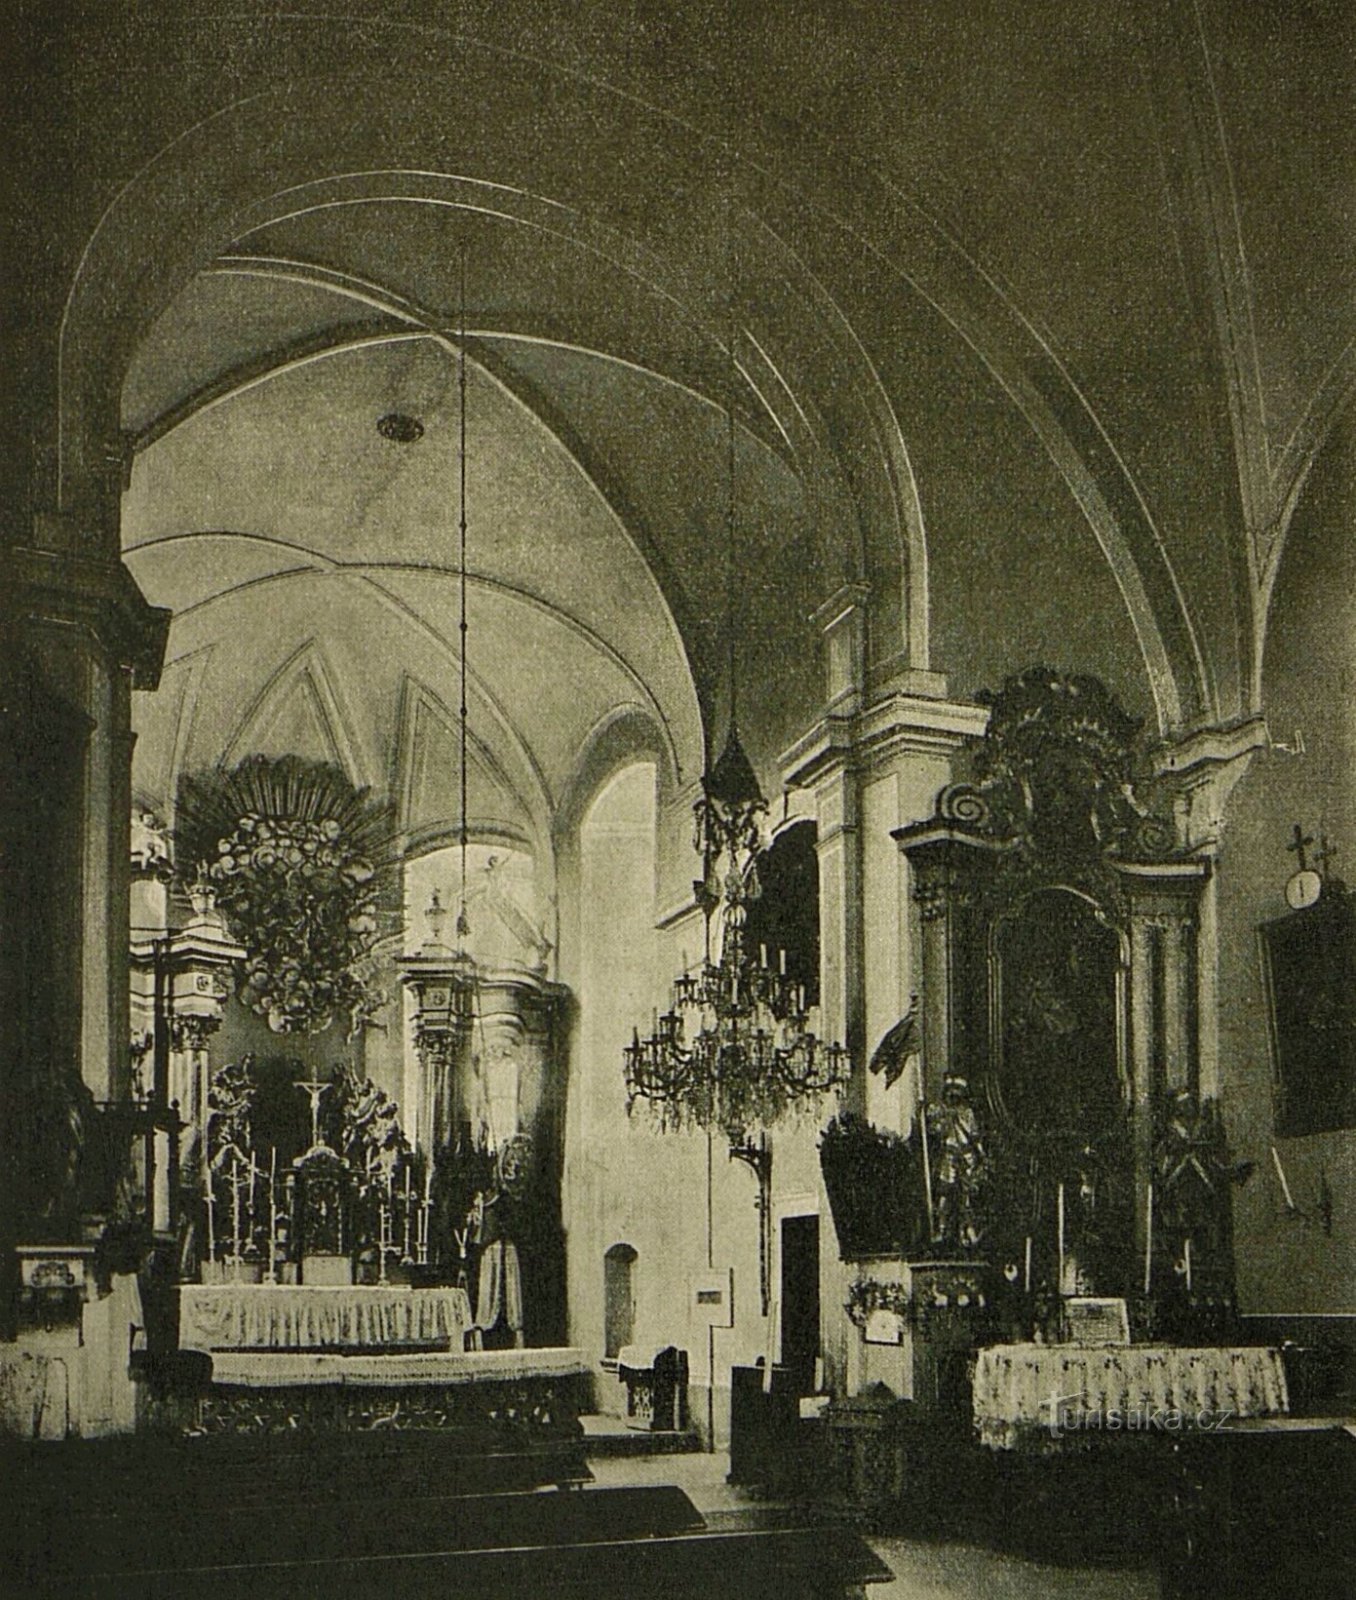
{"x": 609, "y": 1436}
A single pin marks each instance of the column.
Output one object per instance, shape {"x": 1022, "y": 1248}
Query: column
{"x": 840, "y": 921}
{"x": 1179, "y": 1052}
{"x": 1141, "y": 1070}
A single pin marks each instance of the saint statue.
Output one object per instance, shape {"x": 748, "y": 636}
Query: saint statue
{"x": 962, "y": 1166}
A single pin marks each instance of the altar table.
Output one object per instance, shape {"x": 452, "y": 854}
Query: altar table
{"x": 1039, "y": 1394}
{"x": 260, "y": 1370}
{"x": 253, "y": 1316}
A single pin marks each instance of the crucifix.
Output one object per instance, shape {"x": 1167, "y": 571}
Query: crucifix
{"x": 1299, "y": 844}
{"x": 1324, "y": 854}
{"x": 315, "y": 1090}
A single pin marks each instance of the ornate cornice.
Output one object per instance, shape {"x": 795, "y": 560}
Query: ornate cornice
{"x": 102, "y": 597}
{"x": 898, "y": 723}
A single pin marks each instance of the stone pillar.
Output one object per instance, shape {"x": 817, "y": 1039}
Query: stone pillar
{"x": 1163, "y": 900}
{"x": 1141, "y": 1070}
{"x": 78, "y": 637}
{"x": 901, "y": 742}
{"x": 1179, "y": 1047}
{"x": 1201, "y": 773}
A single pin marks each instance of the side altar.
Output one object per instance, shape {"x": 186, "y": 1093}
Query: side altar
{"x": 1060, "y": 1211}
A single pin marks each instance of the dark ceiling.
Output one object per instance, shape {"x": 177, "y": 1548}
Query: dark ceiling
{"x": 1041, "y": 313}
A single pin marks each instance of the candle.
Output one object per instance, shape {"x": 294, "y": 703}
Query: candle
{"x": 1148, "y": 1237}
{"x": 1059, "y": 1212}
{"x": 1280, "y": 1173}
{"x": 1186, "y": 1263}
{"x": 762, "y": 956}
{"x": 1026, "y": 1276}
{"x": 235, "y": 1209}
{"x": 273, "y": 1215}
{"x": 211, "y": 1219}
{"x": 923, "y": 1132}
{"x": 781, "y": 962}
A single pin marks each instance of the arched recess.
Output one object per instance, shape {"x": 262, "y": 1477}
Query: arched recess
{"x": 619, "y": 1298}
{"x": 783, "y": 920}
{"x": 623, "y": 738}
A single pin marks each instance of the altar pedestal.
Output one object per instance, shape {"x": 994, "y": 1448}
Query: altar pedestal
{"x": 917, "y": 1324}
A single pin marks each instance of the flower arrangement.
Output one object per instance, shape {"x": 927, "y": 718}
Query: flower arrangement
{"x": 870, "y": 1294}
{"x": 963, "y": 1295}
{"x": 293, "y": 853}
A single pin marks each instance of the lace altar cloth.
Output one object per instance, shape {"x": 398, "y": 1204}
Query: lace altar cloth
{"x": 1033, "y": 1394}
{"x": 265, "y": 1370}
{"x": 254, "y": 1316}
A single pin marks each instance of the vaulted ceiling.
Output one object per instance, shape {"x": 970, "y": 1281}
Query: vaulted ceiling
{"x": 1032, "y": 321}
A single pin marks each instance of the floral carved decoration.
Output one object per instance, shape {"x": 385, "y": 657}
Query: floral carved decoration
{"x": 294, "y": 853}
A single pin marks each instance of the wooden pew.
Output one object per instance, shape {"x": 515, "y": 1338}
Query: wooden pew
{"x": 112, "y": 1474}
{"x": 161, "y": 1538}
{"x": 1263, "y": 1508}
{"x": 799, "y": 1564}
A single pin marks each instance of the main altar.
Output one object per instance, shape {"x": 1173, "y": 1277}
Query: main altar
{"x": 329, "y": 1258}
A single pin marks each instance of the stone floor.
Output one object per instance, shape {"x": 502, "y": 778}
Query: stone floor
{"x": 944, "y": 1570}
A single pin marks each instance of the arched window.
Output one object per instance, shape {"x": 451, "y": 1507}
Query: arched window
{"x": 785, "y": 916}
{"x": 619, "y": 1304}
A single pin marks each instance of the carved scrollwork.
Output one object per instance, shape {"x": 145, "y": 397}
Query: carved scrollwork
{"x": 966, "y": 806}
{"x": 1152, "y": 838}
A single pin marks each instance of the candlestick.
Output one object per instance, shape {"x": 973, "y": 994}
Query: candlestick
{"x": 1148, "y": 1237}
{"x": 923, "y": 1130}
{"x": 211, "y": 1210}
{"x": 381, "y": 1243}
{"x": 1186, "y": 1262}
{"x": 1026, "y": 1277}
{"x": 273, "y": 1215}
{"x": 1280, "y": 1173}
{"x": 1060, "y": 1236}
{"x": 235, "y": 1209}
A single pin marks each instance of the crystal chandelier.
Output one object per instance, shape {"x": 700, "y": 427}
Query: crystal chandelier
{"x": 735, "y": 1052}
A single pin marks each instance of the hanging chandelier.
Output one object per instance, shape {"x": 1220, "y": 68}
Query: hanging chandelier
{"x": 445, "y": 978}
{"x": 735, "y": 1052}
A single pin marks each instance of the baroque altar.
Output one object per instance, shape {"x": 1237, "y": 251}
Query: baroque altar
{"x": 1083, "y": 1151}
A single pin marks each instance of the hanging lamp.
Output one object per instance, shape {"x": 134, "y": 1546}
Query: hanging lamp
{"x": 735, "y": 1051}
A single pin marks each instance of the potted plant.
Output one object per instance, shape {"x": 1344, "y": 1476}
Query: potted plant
{"x": 874, "y": 1182}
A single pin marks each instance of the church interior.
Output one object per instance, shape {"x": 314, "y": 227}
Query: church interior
{"x": 678, "y": 708}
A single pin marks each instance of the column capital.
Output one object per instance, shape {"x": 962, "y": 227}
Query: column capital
{"x": 897, "y": 724}
{"x": 101, "y": 597}
{"x": 1200, "y": 772}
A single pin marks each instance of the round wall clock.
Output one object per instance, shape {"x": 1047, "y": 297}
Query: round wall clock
{"x": 1303, "y": 889}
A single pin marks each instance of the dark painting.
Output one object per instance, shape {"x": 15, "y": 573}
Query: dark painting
{"x": 1310, "y": 958}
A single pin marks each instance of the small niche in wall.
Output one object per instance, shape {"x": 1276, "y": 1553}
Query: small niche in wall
{"x": 1309, "y": 961}
{"x": 619, "y": 1299}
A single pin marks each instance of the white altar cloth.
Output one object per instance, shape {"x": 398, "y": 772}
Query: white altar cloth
{"x": 262, "y": 1369}
{"x": 1034, "y": 1393}
{"x": 255, "y": 1316}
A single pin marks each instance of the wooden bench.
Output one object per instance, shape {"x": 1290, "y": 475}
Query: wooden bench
{"x": 112, "y": 1474}
{"x": 800, "y": 1564}
{"x": 161, "y": 1538}
{"x": 1263, "y": 1508}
